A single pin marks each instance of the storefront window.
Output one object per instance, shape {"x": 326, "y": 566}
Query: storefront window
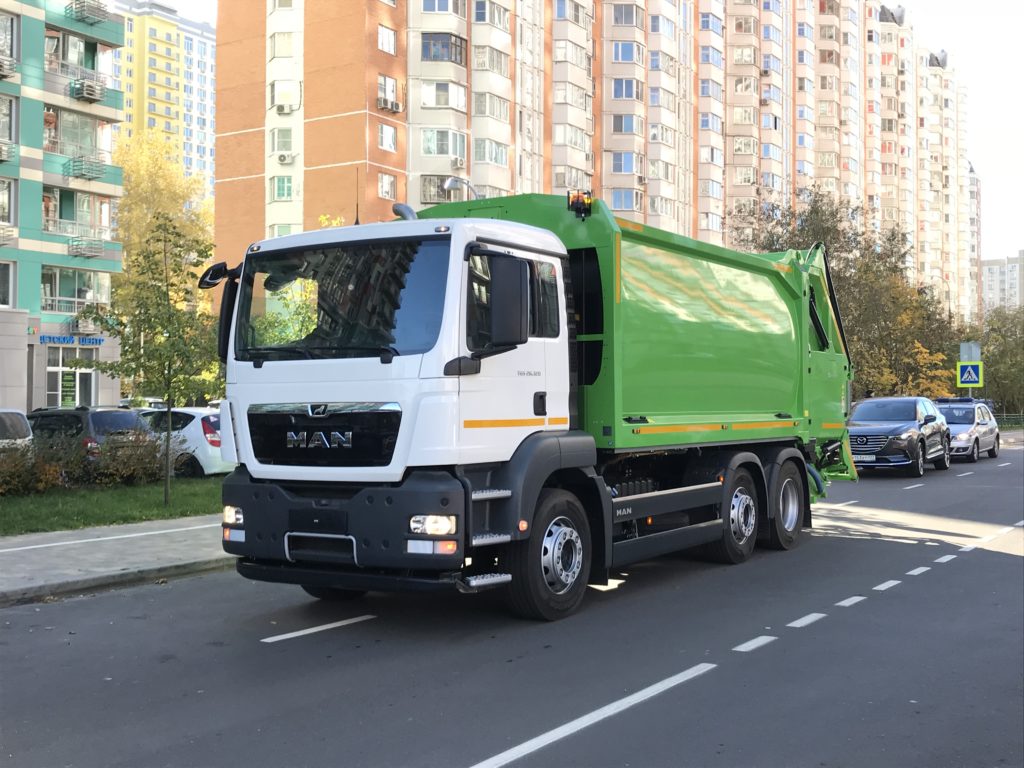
{"x": 69, "y": 387}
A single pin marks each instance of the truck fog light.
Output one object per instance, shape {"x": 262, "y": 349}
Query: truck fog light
{"x": 433, "y": 525}
{"x": 233, "y": 515}
{"x": 446, "y": 547}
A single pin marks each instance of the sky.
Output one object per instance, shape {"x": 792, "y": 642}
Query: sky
{"x": 983, "y": 39}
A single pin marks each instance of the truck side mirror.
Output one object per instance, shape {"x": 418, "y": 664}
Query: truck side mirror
{"x": 509, "y": 297}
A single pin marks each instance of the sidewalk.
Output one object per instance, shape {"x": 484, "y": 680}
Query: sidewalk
{"x": 39, "y": 565}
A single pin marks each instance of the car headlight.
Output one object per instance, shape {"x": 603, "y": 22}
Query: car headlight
{"x": 906, "y": 435}
{"x": 965, "y": 435}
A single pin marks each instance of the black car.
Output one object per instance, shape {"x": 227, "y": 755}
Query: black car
{"x": 92, "y": 426}
{"x": 898, "y": 432}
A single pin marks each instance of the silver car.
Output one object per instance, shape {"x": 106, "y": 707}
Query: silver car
{"x": 972, "y": 427}
{"x": 15, "y": 431}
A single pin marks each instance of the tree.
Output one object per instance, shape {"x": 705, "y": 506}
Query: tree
{"x": 897, "y": 338}
{"x": 1002, "y": 349}
{"x": 164, "y": 342}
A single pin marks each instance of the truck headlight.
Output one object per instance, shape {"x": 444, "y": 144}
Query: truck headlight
{"x": 233, "y": 515}
{"x": 433, "y": 525}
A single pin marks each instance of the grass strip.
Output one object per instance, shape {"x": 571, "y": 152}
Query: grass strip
{"x": 65, "y": 509}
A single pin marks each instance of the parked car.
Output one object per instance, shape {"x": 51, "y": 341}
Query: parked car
{"x": 972, "y": 426}
{"x": 901, "y": 432}
{"x": 195, "y": 433}
{"x": 15, "y": 431}
{"x": 95, "y": 426}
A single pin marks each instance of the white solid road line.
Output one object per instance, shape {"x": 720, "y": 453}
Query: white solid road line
{"x": 311, "y": 630}
{"x": 1001, "y": 531}
{"x": 845, "y": 503}
{"x": 851, "y": 601}
{"x": 111, "y": 538}
{"x": 911, "y": 487}
{"x": 810, "y": 618}
{"x": 1006, "y": 464}
{"x": 918, "y": 571}
{"x": 945, "y": 558}
{"x": 886, "y": 585}
{"x": 965, "y": 474}
{"x": 753, "y": 645}
{"x": 527, "y": 747}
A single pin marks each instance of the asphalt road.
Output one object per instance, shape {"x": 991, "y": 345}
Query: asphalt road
{"x": 893, "y": 636}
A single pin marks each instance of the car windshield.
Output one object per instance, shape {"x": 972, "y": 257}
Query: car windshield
{"x": 14, "y": 426}
{"x": 957, "y": 415}
{"x": 375, "y": 298}
{"x": 105, "y": 422}
{"x": 885, "y": 410}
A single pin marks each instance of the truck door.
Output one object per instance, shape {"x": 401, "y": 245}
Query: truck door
{"x": 508, "y": 399}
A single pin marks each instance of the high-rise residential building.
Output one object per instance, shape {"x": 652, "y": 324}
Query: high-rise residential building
{"x": 677, "y": 113}
{"x": 1002, "y": 282}
{"x": 167, "y": 71}
{"x": 57, "y": 192}
{"x": 974, "y": 224}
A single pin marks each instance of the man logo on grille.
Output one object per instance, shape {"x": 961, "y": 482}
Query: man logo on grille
{"x": 318, "y": 411}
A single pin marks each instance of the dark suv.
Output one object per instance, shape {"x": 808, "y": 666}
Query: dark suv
{"x": 93, "y": 426}
{"x": 899, "y": 432}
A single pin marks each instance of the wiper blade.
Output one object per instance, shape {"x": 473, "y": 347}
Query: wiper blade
{"x": 387, "y": 353}
{"x": 264, "y": 353}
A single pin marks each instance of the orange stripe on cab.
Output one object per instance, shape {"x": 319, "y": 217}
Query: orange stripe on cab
{"x": 498, "y": 423}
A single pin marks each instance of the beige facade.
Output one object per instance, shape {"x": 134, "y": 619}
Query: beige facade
{"x": 676, "y": 113}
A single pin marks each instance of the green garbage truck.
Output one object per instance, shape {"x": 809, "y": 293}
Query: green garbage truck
{"x": 525, "y": 393}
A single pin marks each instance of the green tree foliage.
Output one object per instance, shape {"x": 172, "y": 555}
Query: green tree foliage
{"x": 899, "y": 339}
{"x": 1002, "y": 350}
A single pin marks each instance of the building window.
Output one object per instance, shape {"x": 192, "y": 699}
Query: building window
{"x": 387, "y": 186}
{"x": 278, "y": 4}
{"x": 281, "y": 45}
{"x": 628, "y": 124}
{"x": 387, "y": 88}
{"x": 627, "y": 200}
{"x": 387, "y": 137}
{"x": 487, "y": 58}
{"x": 441, "y": 46}
{"x": 6, "y": 200}
{"x": 68, "y": 291}
{"x": 432, "y": 190}
{"x": 458, "y": 7}
{"x": 6, "y": 284}
{"x": 281, "y": 188}
{"x": 443, "y": 94}
{"x": 280, "y": 139}
{"x": 66, "y": 386}
{"x": 490, "y": 151}
{"x": 387, "y": 39}
{"x": 441, "y": 141}
{"x": 489, "y": 12}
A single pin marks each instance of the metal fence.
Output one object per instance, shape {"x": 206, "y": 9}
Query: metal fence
{"x": 1010, "y": 420}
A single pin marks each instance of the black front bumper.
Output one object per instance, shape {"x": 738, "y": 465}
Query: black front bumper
{"x": 340, "y": 535}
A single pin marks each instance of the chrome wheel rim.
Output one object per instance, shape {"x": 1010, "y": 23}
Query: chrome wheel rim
{"x": 561, "y": 555}
{"x": 789, "y": 504}
{"x": 742, "y": 515}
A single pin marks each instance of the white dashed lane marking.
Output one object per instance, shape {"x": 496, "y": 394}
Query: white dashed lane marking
{"x": 311, "y": 630}
{"x": 965, "y": 474}
{"x": 810, "y": 618}
{"x": 911, "y": 487}
{"x": 966, "y": 549}
{"x": 851, "y": 601}
{"x": 886, "y": 585}
{"x": 1020, "y": 524}
{"x": 1006, "y": 464}
{"x": 918, "y": 571}
{"x": 945, "y": 558}
{"x": 753, "y": 645}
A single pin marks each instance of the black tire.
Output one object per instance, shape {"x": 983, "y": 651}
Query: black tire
{"x": 916, "y": 467}
{"x": 187, "y": 465}
{"x": 994, "y": 450}
{"x": 944, "y": 460}
{"x": 551, "y": 568}
{"x": 333, "y": 594}
{"x": 787, "y": 499}
{"x": 739, "y": 520}
{"x": 972, "y": 457}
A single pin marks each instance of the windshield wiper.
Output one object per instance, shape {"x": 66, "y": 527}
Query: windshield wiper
{"x": 387, "y": 353}
{"x": 260, "y": 354}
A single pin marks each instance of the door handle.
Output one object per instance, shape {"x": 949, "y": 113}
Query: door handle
{"x": 540, "y": 403}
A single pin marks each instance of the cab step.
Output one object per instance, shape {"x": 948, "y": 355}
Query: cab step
{"x": 491, "y": 494}
{"x": 483, "y": 581}
{"x": 490, "y": 539}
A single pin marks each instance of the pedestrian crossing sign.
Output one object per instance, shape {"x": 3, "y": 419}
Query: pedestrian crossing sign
{"x": 970, "y": 374}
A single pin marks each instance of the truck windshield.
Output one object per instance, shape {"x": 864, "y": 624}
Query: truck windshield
{"x": 375, "y": 298}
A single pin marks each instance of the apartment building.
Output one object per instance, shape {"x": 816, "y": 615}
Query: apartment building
{"x": 57, "y": 192}
{"x": 677, "y": 113}
{"x": 167, "y": 71}
{"x": 1002, "y": 282}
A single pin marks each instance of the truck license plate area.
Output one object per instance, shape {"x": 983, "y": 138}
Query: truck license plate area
{"x": 320, "y": 548}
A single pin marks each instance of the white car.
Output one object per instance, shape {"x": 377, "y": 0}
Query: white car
{"x": 15, "y": 431}
{"x": 195, "y": 435}
{"x": 973, "y": 427}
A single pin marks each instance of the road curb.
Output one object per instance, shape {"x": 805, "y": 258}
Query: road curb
{"x": 36, "y": 593}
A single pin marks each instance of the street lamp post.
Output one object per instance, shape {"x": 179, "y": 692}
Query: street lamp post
{"x": 453, "y": 181}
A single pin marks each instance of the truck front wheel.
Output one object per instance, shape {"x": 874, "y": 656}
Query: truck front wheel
{"x": 739, "y": 519}
{"x": 551, "y": 568}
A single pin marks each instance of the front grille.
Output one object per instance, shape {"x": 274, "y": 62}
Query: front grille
{"x": 347, "y": 435}
{"x": 868, "y": 443}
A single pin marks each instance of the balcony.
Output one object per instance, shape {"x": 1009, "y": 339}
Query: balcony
{"x": 85, "y": 247}
{"x": 87, "y": 11}
{"x": 8, "y": 152}
{"x": 86, "y": 84}
{"x": 8, "y": 67}
{"x": 6, "y": 234}
{"x": 85, "y": 240}
{"x": 67, "y": 306}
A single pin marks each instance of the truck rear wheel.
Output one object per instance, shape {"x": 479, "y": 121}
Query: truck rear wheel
{"x": 333, "y": 593}
{"x": 551, "y": 568}
{"x": 739, "y": 518}
{"x": 787, "y": 498}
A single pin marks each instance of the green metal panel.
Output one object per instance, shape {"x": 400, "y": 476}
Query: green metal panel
{"x": 701, "y": 344}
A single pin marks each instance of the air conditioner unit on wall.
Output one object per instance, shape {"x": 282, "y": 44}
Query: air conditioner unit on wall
{"x": 285, "y": 109}
{"x": 286, "y": 158}
{"x": 458, "y": 162}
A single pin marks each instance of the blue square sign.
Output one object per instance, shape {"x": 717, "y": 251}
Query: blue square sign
{"x": 970, "y": 374}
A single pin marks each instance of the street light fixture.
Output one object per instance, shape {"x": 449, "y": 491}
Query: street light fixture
{"x": 453, "y": 181}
